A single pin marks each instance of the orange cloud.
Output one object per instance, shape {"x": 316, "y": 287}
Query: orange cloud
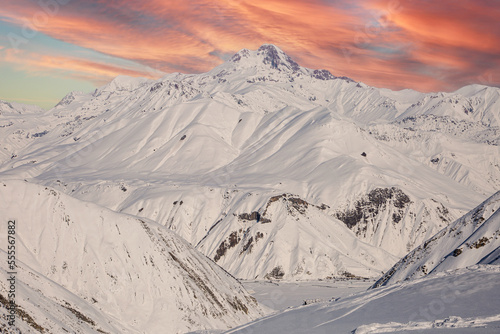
{"x": 114, "y": 38}
{"x": 467, "y": 24}
{"x": 457, "y": 41}
{"x": 192, "y": 31}
{"x": 425, "y": 45}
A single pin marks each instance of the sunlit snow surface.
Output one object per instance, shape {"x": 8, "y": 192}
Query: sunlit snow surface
{"x": 281, "y": 295}
{"x": 465, "y": 300}
{"x": 84, "y": 268}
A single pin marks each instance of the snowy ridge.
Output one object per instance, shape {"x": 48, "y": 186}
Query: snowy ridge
{"x": 85, "y": 268}
{"x": 472, "y": 239}
{"x": 473, "y": 102}
{"x": 18, "y": 108}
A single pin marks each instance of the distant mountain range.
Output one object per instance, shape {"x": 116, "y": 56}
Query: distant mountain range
{"x": 196, "y": 153}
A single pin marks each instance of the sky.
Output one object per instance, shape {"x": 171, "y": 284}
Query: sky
{"x": 51, "y": 47}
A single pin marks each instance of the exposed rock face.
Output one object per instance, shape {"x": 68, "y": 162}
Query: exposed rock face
{"x": 244, "y": 53}
{"x": 277, "y": 59}
{"x": 252, "y": 216}
{"x": 368, "y": 208}
{"x": 232, "y": 241}
{"x": 276, "y": 273}
{"x": 388, "y": 218}
{"x": 293, "y": 203}
{"x": 323, "y": 75}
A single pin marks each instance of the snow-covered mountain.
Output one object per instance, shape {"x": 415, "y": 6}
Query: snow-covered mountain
{"x": 82, "y": 268}
{"x": 472, "y": 239}
{"x": 207, "y": 155}
{"x": 290, "y": 238}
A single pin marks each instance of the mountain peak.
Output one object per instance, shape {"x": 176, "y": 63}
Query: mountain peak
{"x": 269, "y": 55}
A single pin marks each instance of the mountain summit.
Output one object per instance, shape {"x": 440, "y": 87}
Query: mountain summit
{"x": 269, "y": 57}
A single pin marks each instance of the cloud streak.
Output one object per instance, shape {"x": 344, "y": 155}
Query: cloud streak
{"x": 97, "y": 72}
{"x": 424, "y": 45}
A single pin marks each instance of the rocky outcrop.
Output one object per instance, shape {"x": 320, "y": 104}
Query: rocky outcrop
{"x": 367, "y": 208}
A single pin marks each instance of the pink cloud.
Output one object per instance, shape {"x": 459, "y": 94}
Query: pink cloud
{"x": 425, "y": 45}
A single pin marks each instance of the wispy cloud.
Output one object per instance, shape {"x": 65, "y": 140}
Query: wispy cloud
{"x": 455, "y": 42}
{"x": 94, "y": 71}
{"x": 425, "y": 45}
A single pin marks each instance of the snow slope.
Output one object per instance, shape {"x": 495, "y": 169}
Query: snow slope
{"x": 193, "y": 152}
{"x": 464, "y": 300}
{"x": 472, "y": 239}
{"x": 83, "y": 268}
{"x": 280, "y": 295}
